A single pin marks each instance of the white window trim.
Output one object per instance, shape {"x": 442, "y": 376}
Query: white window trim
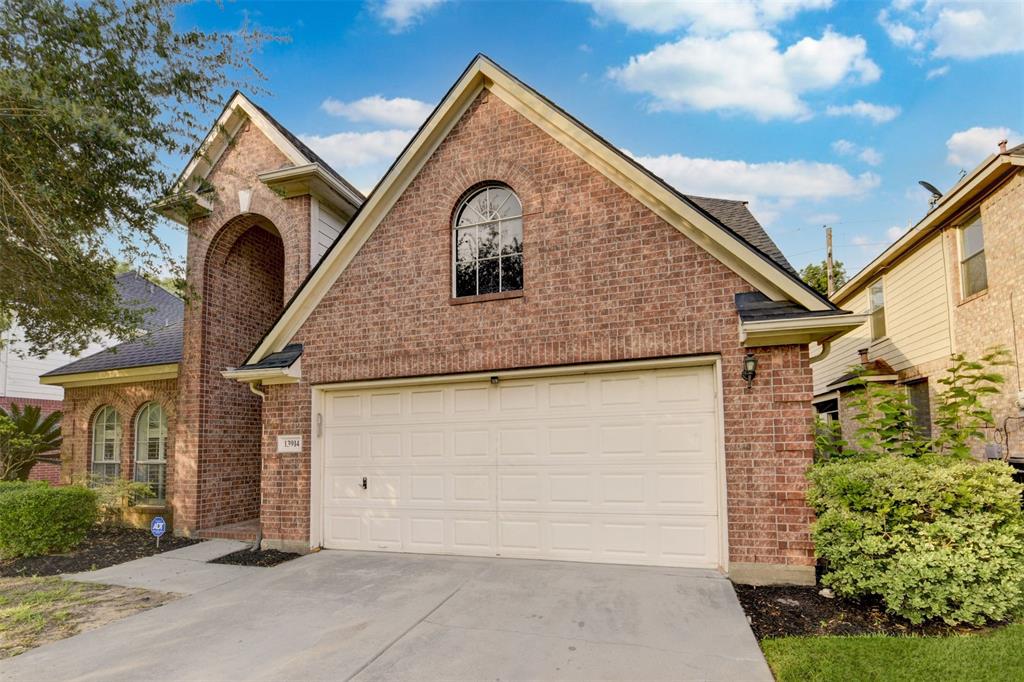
{"x": 139, "y": 443}
{"x": 99, "y": 438}
{"x": 973, "y": 218}
{"x": 455, "y": 228}
{"x": 872, "y": 309}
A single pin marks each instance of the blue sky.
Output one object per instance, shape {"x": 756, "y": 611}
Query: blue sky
{"x": 815, "y": 111}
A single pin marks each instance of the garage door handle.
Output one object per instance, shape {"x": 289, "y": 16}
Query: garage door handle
{"x": 364, "y": 482}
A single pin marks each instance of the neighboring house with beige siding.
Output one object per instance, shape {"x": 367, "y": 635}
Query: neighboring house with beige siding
{"x": 952, "y": 284}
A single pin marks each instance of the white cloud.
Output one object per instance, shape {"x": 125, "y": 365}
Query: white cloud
{"x": 351, "y": 150}
{"x": 399, "y": 111}
{"x": 894, "y": 232}
{"x": 844, "y": 147}
{"x": 746, "y": 71}
{"x": 968, "y": 147}
{"x": 779, "y": 180}
{"x": 705, "y": 18}
{"x": 877, "y": 113}
{"x": 899, "y": 33}
{"x": 868, "y": 155}
{"x": 959, "y": 29}
{"x": 937, "y": 72}
{"x": 402, "y": 14}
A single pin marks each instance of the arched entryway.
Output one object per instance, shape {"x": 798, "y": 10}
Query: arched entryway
{"x": 243, "y": 293}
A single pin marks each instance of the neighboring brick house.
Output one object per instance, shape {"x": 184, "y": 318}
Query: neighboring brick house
{"x": 20, "y": 371}
{"x": 522, "y": 343}
{"x": 954, "y": 283}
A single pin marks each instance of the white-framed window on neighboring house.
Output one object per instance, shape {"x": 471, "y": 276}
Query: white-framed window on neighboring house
{"x": 151, "y": 448}
{"x": 876, "y": 308}
{"x": 973, "y": 272}
{"x": 487, "y": 242}
{"x": 920, "y": 400}
{"x": 106, "y": 443}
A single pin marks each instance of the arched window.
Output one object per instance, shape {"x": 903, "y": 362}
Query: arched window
{"x": 106, "y": 443}
{"x": 151, "y": 448}
{"x": 487, "y": 244}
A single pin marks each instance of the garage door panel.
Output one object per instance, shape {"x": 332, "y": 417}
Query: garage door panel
{"x": 615, "y": 467}
{"x": 620, "y": 489}
{"x": 647, "y": 540}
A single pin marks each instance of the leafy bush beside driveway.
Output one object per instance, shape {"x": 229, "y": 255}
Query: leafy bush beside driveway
{"x": 38, "y": 519}
{"x": 932, "y": 539}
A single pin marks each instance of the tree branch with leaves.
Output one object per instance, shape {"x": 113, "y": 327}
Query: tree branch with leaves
{"x": 92, "y": 96}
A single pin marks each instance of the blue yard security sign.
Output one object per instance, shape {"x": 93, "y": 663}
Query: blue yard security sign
{"x": 158, "y": 527}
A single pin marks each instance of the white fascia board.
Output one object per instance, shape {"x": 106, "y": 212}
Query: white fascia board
{"x": 801, "y": 330}
{"x": 312, "y": 178}
{"x": 267, "y": 376}
{"x": 129, "y": 375}
{"x": 236, "y": 112}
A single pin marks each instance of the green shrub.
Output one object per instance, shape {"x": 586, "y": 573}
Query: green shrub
{"x": 13, "y": 486}
{"x": 934, "y": 538}
{"x": 40, "y": 519}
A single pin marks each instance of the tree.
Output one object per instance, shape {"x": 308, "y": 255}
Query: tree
{"x": 24, "y": 435}
{"x": 816, "y": 276}
{"x": 92, "y": 96}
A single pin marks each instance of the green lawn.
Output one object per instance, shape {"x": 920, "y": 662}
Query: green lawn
{"x": 993, "y": 656}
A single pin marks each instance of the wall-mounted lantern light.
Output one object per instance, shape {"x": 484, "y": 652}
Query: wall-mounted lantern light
{"x": 749, "y": 369}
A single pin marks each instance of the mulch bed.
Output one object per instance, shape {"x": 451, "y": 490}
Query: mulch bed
{"x": 799, "y": 611}
{"x": 102, "y": 547}
{"x": 264, "y": 557}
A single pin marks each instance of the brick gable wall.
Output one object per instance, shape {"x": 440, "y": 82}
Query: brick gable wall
{"x": 605, "y": 279}
{"x": 241, "y": 274}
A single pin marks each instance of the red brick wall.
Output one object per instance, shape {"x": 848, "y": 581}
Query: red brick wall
{"x": 81, "y": 404}
{"x": 605, "y": 279}
{"x": 42, "y": 471}
{"x": 241, "y": 277}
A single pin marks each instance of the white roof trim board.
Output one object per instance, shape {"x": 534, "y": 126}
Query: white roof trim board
{"x": 744, "y": 259}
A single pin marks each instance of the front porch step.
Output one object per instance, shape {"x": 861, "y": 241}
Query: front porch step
{"x": 244, "y": 531}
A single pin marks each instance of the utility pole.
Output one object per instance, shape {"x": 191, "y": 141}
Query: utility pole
{"x": 828, "y": 261}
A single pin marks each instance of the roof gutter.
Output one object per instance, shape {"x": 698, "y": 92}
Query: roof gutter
{"x": 127, "y": 375}
{"x": 268, "y": 376}
{"x": 800, "y": 331}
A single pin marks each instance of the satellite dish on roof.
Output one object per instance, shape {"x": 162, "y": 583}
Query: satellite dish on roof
{"x": 936, "y": 194}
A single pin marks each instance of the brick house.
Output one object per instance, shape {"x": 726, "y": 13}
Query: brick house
{"x": 20, "y": 371}
{"x": 954, "y": 283}
{"x": 522, "y": 343}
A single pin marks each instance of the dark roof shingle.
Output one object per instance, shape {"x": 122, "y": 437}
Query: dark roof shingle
{"x": 159, "y": 306}
{"x": 737, "y": 217}
{"x": 160, "y": 347}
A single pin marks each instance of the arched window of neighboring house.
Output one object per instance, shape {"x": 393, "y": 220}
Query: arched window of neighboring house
{"x": 487, "y": 242}
{"x": 151, "y": 448}
{"x": 106, "y": 443}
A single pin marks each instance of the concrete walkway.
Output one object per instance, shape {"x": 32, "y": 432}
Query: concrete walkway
{"x": 181, "y": 571}
{"x": 374, "y": 616}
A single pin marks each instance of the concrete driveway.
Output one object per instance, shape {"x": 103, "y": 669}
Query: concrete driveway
{"x": 370, "y": 616}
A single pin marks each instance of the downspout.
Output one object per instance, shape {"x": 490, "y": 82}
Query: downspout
{"x": 259, "y": 521}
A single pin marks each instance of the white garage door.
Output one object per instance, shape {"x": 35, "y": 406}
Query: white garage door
{"x": 618, "y": 467}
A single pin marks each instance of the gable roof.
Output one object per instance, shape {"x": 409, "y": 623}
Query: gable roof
{"x": 236, "y": 112}
{"x": 725, "y": 242}
{"x": 950, "y": 206}
{"x": 159, "y": 306}
{"x": 160, "y": 347}
{"x": 736, "y": 216}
